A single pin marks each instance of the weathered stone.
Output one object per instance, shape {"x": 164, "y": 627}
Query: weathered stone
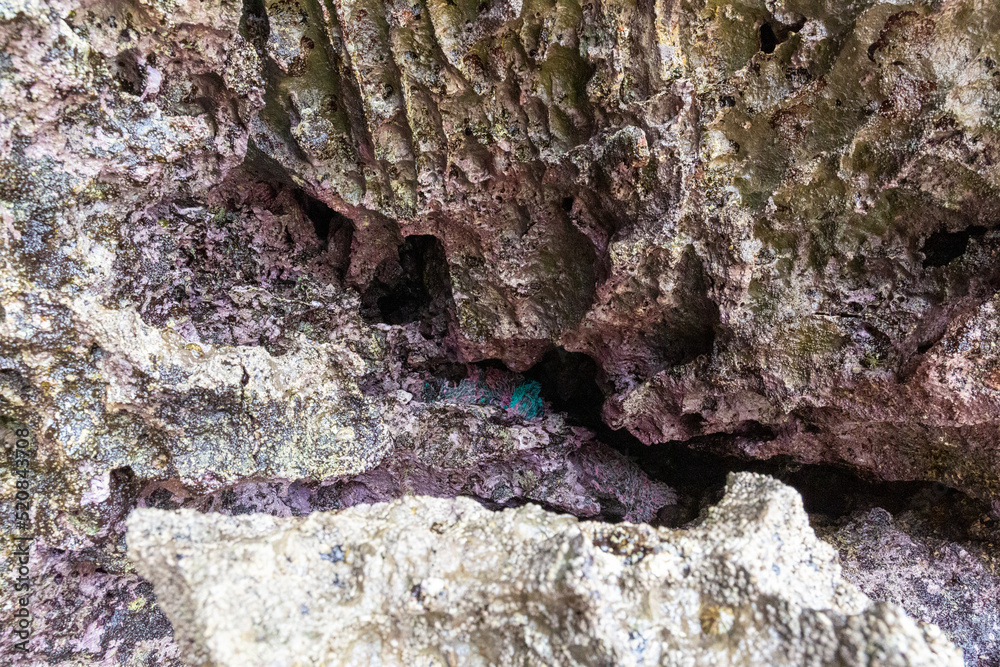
{"x": 421, "y": 581}
{"x": 446, "y": 450}
{"x": 105, "y": 110}
{"x": 766, "y": 214}
{"x": 87, "y": 616}
{"x": 921, "y": 560}
{"x": 237, "y": 240}
{"x": 748, "y": 213}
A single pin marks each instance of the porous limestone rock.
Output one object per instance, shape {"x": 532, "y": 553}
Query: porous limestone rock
{"x": 105, "y": 110}
{"x": 423, "y": 581}
{"x": 237, "y": 239}
{"x": 442, "y": 447}
{"x": 757, "y": 215}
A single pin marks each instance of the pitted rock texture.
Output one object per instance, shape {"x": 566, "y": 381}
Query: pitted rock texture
{"x": 442, "y": 448}
{"x": 918, "y": 559}
{"x": 94, "y": 616}
{"x": 750, "y": 213}
{"x": 238, "y": 240}
{"x": 450, "y": 450}
{"x": 777, "y": 216}
{"x": 423, "y": 581}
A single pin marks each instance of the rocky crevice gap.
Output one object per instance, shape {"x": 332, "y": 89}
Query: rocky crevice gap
{"x": 286, "y": 256}
{"x": 409, "y": 297}
{"x": 952, "y": 533}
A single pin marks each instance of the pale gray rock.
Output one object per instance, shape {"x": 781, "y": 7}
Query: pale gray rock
{"x": 423, "y": 581}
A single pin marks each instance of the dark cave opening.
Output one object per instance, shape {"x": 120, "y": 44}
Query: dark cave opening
{"x": 768, "y": 40}
{"x": 413, "y": 287}
{"x": 569, "y": 383}
{"x": 941, "y": 247}
{"x": 697, "y": 470}
{"x": 772, "y": 33}
{"x": 254, "y": 25}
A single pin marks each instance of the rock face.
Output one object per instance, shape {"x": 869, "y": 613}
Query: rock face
{"x": 773, "y": 218}
{"x": 88, "y": 615}
{"x": 422, "y": 581}
{"x": 446, "y": 450}
{"x": 766, "y": 218}
{"x": 915, "y": 559}
{"x": 293, "y": 255}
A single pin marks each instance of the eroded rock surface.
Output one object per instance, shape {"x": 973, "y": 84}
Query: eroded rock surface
{"x": 95, "y": 615}
{"x": 767, "y": 215}
{"x": 763, "y": 214}
{"x": 920, "y": 559}
{"x": 422, "y": 581}
{"x": 450, "y": 450}
{"x": 247, "y": 250}
{"x": 443, "y": 446}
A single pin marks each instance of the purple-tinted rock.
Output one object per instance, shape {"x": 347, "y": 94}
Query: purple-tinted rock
{"x": 923, "y": 560}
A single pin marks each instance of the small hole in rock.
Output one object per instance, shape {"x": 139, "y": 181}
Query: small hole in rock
{"x": 569, "y": 382}
{"x": 770, "y": 34}
{"x": 324, "y": 219}
{"x": 768, "y": 40}
{"x": 130, "y": 77}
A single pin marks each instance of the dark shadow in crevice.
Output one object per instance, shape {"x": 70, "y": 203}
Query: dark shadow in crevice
{"x": 768, "y": 40}
{"x": 254, "y": 24}
{"x": 941, "y": 247}
{"x": 689, "y": 330}
{"x": 771, "y": 33}
{"x": 697, "y": 469}
{"x": 123, "y": 490}
{"x": 326, "y": 222}
{"x": 415, "y": 286}
{"x": 333, "y": 229}
{"x": 131, "y": 77}
{"x": 569, "y": 384}
{"x": 829, "y": 492}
